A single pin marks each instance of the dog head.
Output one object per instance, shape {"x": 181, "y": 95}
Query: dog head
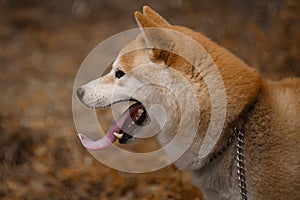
{"x": 181, "y": 70}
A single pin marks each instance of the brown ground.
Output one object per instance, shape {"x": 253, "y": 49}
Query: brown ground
{"x": 42, "y": 45}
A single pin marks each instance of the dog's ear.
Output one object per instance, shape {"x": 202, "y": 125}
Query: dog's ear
{"x": 159, "y": 39}
{"x": 154, "y": 16}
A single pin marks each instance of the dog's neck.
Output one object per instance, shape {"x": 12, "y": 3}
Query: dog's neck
{"x": 219, "y": 178}
{"x": 237, "y": 126}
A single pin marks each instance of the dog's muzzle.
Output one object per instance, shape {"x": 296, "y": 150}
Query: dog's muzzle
{"x": 122, "y": 129}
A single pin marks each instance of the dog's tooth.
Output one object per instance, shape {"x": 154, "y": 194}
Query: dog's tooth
{"x": 140, "y": 111}
{"x": 118, "y": 135}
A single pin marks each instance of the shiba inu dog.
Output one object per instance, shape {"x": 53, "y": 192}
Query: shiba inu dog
{"x": 266, "y": 112}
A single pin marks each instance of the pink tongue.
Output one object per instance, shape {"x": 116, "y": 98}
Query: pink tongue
{"x": 109, "y": 137}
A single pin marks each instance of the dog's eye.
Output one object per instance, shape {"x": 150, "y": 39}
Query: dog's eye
{"x": 119, "y": 73}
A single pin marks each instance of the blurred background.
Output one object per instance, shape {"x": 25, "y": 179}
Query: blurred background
{"x": 42, "y": 44}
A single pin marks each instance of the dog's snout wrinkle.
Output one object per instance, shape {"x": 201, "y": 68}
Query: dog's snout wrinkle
{"x": 80, "y": 93}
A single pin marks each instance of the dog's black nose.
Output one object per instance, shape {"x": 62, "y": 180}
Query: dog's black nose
{"x": 80, "y": 93}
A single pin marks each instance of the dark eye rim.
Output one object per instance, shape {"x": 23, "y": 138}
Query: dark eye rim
{"x": 119, "y": 74}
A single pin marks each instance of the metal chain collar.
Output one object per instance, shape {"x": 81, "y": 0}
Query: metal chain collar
{"x": 239, "y": 134}
{"x": 240, "y": 162}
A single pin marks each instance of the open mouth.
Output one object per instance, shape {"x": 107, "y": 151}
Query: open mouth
{"x": 123, "y": 129}
{"x": 129, "y": 122}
